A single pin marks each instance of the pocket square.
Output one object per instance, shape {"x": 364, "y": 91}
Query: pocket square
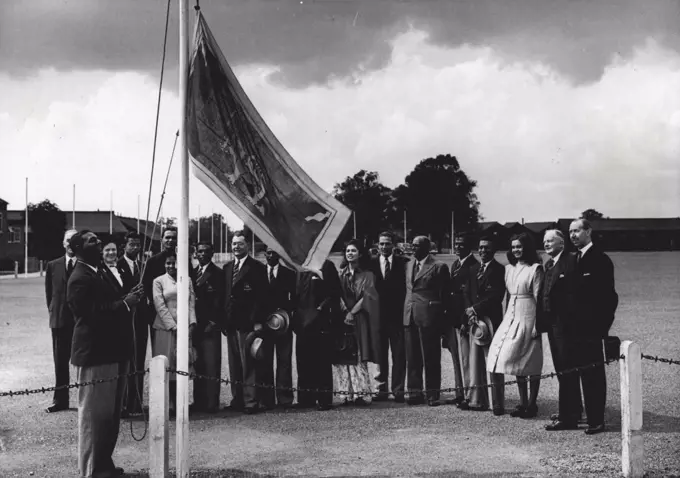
{"x": 586, "y": 274}
{"x": 561, "y": 276}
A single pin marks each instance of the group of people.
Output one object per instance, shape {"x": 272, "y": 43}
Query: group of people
{"x": 105, "y": 308}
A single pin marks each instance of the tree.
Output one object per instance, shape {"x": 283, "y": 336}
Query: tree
{"x": 47, "y": 223}
{"x": 592, "y": 214}
{"x": 364, "y": 194}
{"x": 431, "y": 192}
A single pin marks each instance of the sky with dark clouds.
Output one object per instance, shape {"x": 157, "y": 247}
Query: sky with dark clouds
{"x": 374, "y": 83}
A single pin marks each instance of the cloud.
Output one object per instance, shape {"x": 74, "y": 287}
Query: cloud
{"x": 540, "y": 146}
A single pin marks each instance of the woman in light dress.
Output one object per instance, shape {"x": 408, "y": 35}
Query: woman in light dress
{"x": 165, "y": 324}
{"x": 359, "y": 305}
{"x": 516, "y": 348}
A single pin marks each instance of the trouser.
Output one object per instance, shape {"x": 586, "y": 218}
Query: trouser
{"x": 570, "y": 399}
{"x": 61, "y": 353}
{"x": 135, "y": 384}
{"x": 242, "y": 371}
{"x": 479, "y": 397}
{"x": 315, "y": 371}
{"x": 392, "y": 337}
{"x": 458, "y": 345}
{"x": 282, "y": 347}
{"x": 423, "y": 350}
{"x": 99, "y": 408}
{"x": 209, "y": 363}
{"x": 584, "y": 351}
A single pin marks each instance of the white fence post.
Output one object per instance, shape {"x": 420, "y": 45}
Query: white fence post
{"x": 41, "y": 268}
{"x": 632, "y": 449}
{"x": 159, "y": 443}
{"x": 16, "y": 269}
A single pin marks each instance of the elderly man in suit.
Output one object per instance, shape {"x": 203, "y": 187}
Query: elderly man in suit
{"x": 390, "y": 282}
{"x": 61, "y": 320}
{"x": 456, "y": 333}
{"x": 102, "y": 340}
{"x": 280, "y": 294}
{"x": 487, "y": 288}
{"x": 594, "y": 306}
{"x": 244, "y": 299}
{"x": 209, "y": 288}
{"x": 428, "y": 293}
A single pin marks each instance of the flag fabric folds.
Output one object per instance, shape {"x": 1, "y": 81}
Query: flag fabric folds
{"x": 235, "y": 154}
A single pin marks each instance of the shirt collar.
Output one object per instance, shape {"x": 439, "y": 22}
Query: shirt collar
{"x": 388, "y": 258}
{"x": 68, "y": 259}
{"x": 273, "y": 268}
{"x": 585, "y": 248}
{"x": 557, "y": 257}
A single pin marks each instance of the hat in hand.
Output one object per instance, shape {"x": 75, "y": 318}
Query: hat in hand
{"x": 278, "y": 322}
{"x": 254, "y": 344}
{"x": 481, "y": 331}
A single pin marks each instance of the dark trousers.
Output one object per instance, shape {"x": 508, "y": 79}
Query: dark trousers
{"x": 135, "y": 384}
{"x": 392, "y": 337}
{"x": 423, "y": 350}
{"x": 242, "y": 371}
{"x": 61, "y": 352}
{"x": 282, "y": 347}
{"x": 208, "y": 363}
{"x": 570, "y": 401}
{"x": 585, "y": 351}
{"x": 315, "y": 371}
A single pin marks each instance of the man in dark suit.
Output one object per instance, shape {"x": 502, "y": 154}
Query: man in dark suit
{"x": 487, "y": 280}
{"x": 318, "y": 301}
{"x": 61, "y": 320}
{"x": 245, "y": 286}
{"x": 456, "y": 334}
{"x": 594, "y": 307}
{"x": 280, "y": 294}
{"x": 155, "y": 267}
{"x": 428, "y": 295}
{"x": 390, "y": 282}
{"x": 207, "y": 337}
{"x": 553, "y": 317}
{"x": 102, "y": 340}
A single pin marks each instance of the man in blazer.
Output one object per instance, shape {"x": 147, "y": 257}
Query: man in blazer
{"x": 280, "y": 294}
{"x": 456, "y": 334}
{"x": 61, "y": 320}
{"x": 594, "y": 306}
{"x": 245, "y": 286}
{"x": 487, "y": 280}
{"x": 428, "y": 294}
{"x": 209, "y": 288}
{"x": 390, "y": 282}
{"x": 102, "y": 340}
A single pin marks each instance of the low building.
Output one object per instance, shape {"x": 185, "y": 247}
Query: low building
{"x": 631, "y": 234}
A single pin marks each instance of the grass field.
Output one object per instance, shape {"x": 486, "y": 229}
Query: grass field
{"x": 385, "y": 439}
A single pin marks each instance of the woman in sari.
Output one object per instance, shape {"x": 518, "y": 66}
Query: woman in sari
{"x": 361, "y": 325}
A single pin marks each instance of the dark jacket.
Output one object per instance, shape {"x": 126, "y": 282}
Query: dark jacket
{"x": 487, "y": 293}
{"x": 55, "y": 294}
{"x": 428, "y": 295}
{"x": 318, "y": 300}
{"x": 461, "y": 285}
{"x": 209, "y": 290}
{"x": 130, "y": 279}
{"x": 103, "y": 323}
{"x": 244, "y": 300}
{"x": 391, "y": 291}
{"x": 557, "y": 295}
{"x": 280, "y": 293}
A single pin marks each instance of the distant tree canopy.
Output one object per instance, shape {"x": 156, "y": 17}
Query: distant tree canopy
{"x": 48, "y": 224}
{"x": 592, "y": 214}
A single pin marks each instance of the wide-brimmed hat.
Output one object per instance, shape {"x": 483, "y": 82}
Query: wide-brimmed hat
{"x": 254, "y": 345}
{"x": 278, "y": 322}
{"x": 481, "y": 331}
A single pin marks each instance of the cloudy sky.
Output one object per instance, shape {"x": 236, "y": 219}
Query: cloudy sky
{"x": 552, "y": 106}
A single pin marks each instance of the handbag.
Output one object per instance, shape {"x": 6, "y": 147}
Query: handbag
{"x": 344, "y": 347}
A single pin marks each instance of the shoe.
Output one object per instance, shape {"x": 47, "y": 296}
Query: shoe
{"x": 464, "y": 405}
{"x": 455, "y": 401}
{"x": 559, "y": 426}
{"x": 399, "y": 399}
{"x": 415, "y": 401}
{"x": 322, "y": 407}
{"x": 381, "y": 397}
{"x": 530, "y": 412}
{"x": 478, "y": 409}
{"x": 56, "y": 408}
{"x": 433, "y": 403}
{"x": 251, "y": 410}
{"x": 594, "y": 430}
{"x": 498, "y": 412}
{"x": 581, "y": 420}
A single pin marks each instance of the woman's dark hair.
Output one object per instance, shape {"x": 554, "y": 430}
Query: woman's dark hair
{"x": 172, "y": 254}
{"x": 529, "y": 253}
{"x": 364, "y": 257}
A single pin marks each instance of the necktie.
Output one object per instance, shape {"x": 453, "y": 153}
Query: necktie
{"x": 579, "y": 256}
{"x": 236, "y": 269}
{"x": 199, "y": 273}
{"x": 387, "y": 269}
{"x": 271, "y": 274}
{"x": 416, "y": 270}
{"x": 69, "y": 269}
{"x": 481, "y": 271}
{"x": 550, "y": 264}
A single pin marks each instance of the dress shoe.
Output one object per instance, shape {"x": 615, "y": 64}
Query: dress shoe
{"x": 530, "y": 412}
{"x": 56, "y": 408}
{"x": 581, "y": 419}
{"x": 473, "y": 408}
{"x": 322, "y": 407}
{"x": 498, "y": 412}
{"x": 594, "y": 430}
{"x": 399, "y": 399}
{"x": 415, "y": 401}
{"x": 433, "y": 402}
{"x": 559, "y": 426}
{"x": 455, "y": 401}
{"x": 464, "y": 405}
{"x": 518, "y": 411}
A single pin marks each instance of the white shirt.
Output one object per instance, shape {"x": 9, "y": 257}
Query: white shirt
{"x": 275, "y": 270}
{"x": 238, "y": 263}
{"x": 384, "y": 260}
{"x": 585, "y": 248}
{"x": 114, "y": 270}
{"x": 69, "y": 259}
{"x": 557, "y": 257}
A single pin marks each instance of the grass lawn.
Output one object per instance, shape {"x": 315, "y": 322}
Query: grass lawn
{"x": 385, "y": 439}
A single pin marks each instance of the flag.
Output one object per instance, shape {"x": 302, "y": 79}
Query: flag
{"x": 235, "y": 154}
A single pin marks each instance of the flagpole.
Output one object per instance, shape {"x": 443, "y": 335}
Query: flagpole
{"x": 111, "y": 213}
{"x": 221, "y": 235}
{"x": 26, "y": 235}
{"x": 199, "y": 223}
{"x": 354, "y": 216}
{"x": 212, "y": 227}
{"x": 405, "y": 238}
{"x": 452, "y": 231}
{"x": 253, "y": 233}
{"x": 137, "y": 213}
{"x": 182, "y": 419}
{"x": 73, "y": 212}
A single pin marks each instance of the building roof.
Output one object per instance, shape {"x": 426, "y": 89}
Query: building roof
{"x": 2, "y": 201}
{"x": 96, "y": 221}
{"x": 483, "y": 226}
{"x": 539, "y": 226}
{"x": 630, "y": 224}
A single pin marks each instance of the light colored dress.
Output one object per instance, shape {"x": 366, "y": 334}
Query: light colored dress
{"x": 165, "y": 324}
{"x": 512, "y": 350}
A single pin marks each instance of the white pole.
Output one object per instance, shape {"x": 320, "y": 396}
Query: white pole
{"x": 405, "y": 238}
{"x": 182, "y": 438}
{"x": 158, "y": 417}
{"x": 632, "y": 449}
{"x": 137, "y": 213}
{"x": 212, "y": 227}
{"x": 73, "y": 213}
{"x": 111, "y": 213}
{"x": 199, "y": 224}
{"x": 162, "y": 221}
{"x": 452, "y": 231}
{"x": 26, "y": 235}
{"x": 221, "y": 235}
{"x": 354, "y": 216}
{"x": 253, "y": 236}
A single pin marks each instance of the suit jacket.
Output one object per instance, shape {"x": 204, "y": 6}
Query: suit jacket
{"x": 487, "y": 293}
{"x": 391, "y": 291}
{"x": 103, "y": 323}
{"x": 154, "y": 267}
{"x": 317, "y": 300}
{"x": 595, "y": 297}
{"x": 244, "y": 300}
{"x": 209, "y": 291}
{"x": 461, "y": 293}
{"x": 113, "y": 282}
{"x": 129, "y": 278}
{"x": 280, "y": 293}
{"x": 555, "y": 305}
{"x": 55, "y": 294}
{"x": 428, "y": 295}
